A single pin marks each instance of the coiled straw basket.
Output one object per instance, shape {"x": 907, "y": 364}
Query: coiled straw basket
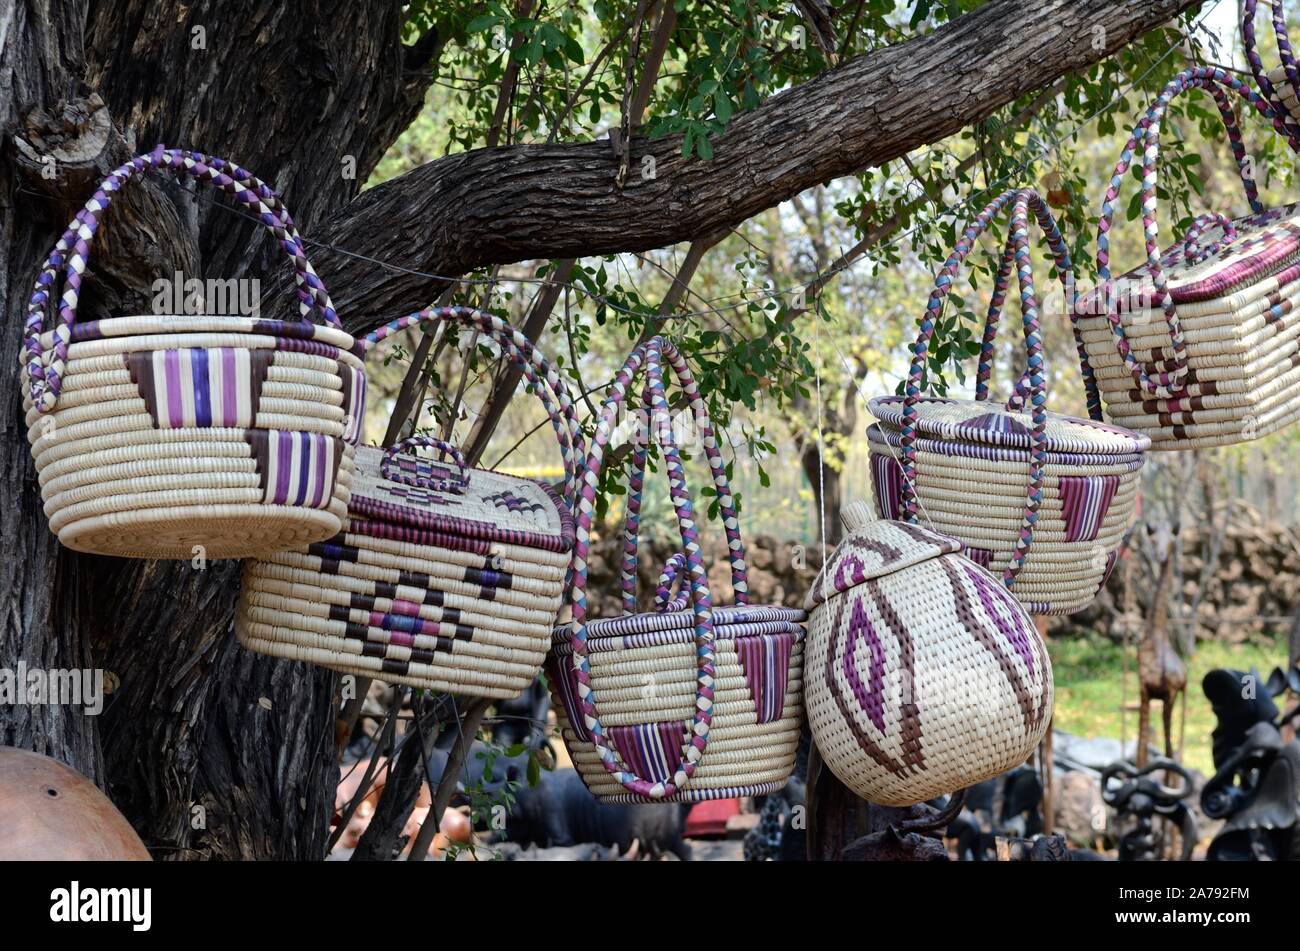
{"x": 1201, "y": 345}
{"x": 1280, "y": 84}
{"x": 443, "y": 577}
{"x": 923, "y": 674}
{"x": 1039, "y": 498}
{"x": 172, "y": 436}
{"x": 693, "y": 704}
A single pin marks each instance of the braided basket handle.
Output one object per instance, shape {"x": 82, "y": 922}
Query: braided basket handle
{"x": 1169, "y": 381}
{"x": 71, "y": 255}
{"x": 670, "y": 581}
{"x": 537, "y": 370}
{"x": 1020, "y": 201}
{"x": 1065, "y": 273}
{"x": 1285, "y": 54}
{"x": 650, "y": 356}
{"x": 636, "y": 481}
{"x": 392, "y": 470}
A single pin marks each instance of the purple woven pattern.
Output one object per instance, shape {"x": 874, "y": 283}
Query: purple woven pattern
{"x": 295, "y": 468}
{"x": 1285, "y": 54}
{"x": 220, "y": 386}
{"x": 670, "y": 581}
{"x": 963, "y": 450}
{"x": 1086, "y": 500}
{"x": 544, "y": 382}
{"x": 649, "y": 356}
{"x": 1020, "y": 201}
{"x": 1169, "y": 379}
{"x": 410, "y": 470}
{"x": 67, "y": 263}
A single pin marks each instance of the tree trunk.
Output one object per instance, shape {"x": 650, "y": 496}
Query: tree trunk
{"x": 208, "y": 749}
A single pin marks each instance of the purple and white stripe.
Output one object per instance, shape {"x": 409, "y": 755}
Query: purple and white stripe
{"x": 1086, "y": 500}
{"x": 198, "y": 387}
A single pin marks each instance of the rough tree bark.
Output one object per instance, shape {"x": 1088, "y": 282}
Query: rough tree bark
{"x": 303, "y": 93}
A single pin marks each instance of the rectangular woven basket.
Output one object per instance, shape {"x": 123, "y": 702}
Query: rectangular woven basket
{"x": 1200, "y": 346}
{"x": 443, "y": 577}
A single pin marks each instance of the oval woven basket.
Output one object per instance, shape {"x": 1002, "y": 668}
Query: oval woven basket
{"x": 443, "y": 577}
{"x": 1200, "y": 346}
{"x": 1041, "y": 499}
{"x": 173, "y": 436}
{"x": 695, "y": 702}
{"x": 923, "y": 675}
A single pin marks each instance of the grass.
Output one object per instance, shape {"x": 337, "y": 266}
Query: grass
{"x": 1089, "y": 675}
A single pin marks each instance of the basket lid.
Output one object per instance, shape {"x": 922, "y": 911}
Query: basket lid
{"x": 873, "y": 549}
{"x": 491, "y": 507}
{"x": 992, "y": 424}
{"x": 1266, "y": 244}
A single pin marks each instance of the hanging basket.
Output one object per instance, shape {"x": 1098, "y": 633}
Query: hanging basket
{"x": 1039, "y": 498}
{"x": 689, "y": 701}
{"x": 1198, "y": 347}
{"x": 1280, "y": 84}
{"x": 443, "y": 577}
{"x": 171, "y": 436}
{"x": 923, "y": 674}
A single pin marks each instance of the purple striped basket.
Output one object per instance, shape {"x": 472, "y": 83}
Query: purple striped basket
{"x": 1040, "y": 499}
{"x": 174, "y": 436}
{"x": 442, "y": 577}
{"x": 1200, "y": 346}
{"x": 689, "y": 701}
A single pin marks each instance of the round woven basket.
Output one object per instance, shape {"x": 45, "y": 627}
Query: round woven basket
{"x": 174, "y": 436}
{"x": 443, "y": 577}
{"x": 1041, "y": 499}
{"x": 695, "y": 702}
{"x": 1200, "y": 346}
{"x": 923, "y": 675}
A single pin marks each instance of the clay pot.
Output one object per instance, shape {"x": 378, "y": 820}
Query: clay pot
{"x": 48, "y": 811}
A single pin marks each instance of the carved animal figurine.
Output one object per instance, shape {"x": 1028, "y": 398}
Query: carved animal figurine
{"x": 1161, "y": 671}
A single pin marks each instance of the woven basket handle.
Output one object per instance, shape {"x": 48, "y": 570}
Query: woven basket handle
{"x": 69, "y": 258}
{"x": 1285, "y": 54}
{"x": 1020, "y": 201}
{"x": 391, "y": 469}
{"x": 670, "y": 581}
{"x": 1167, "y": 379}
{"x": 650, "y": 357}
{"x": 726, "y": 501}
{"x": 541, "y": 376}
{"x": 1065, "y": 272}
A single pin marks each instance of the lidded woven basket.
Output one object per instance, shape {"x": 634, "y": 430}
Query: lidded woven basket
{"x": 444, "y": 577}
{"x": 175, "y": 436}
{"x": 1200, "y": 346}
{"x": 922, "y": 674}
{"x": 686, "y": 702}
{"x": 1041, "y": 499}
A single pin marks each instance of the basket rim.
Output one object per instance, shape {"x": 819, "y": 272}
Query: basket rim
{"x": 138, "y": 325}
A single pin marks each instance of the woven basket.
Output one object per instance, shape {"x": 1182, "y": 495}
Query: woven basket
{"x": 443, "y": 577}
{"x": 923, "y": 675}
{"x": 1277, "y": 85}
{"x": 1039, "y": 498}
{"x": 184, "y": 436}
{"x": 694, "y": 704}
{"x": 1199, "y": 346}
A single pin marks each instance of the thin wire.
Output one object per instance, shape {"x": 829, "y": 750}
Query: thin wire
{"x": 821, "y": 443}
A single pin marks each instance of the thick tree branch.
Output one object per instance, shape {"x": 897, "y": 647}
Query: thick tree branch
{"x": 464, "y": 211}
